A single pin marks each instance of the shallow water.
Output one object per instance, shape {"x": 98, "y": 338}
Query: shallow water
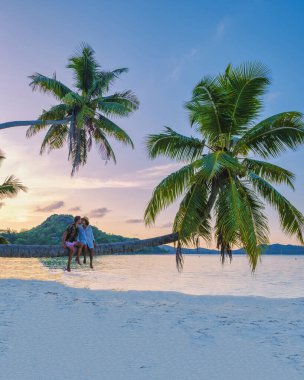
{"x": 275, "y": 277}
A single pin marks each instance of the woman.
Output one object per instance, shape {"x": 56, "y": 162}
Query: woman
{"x": 90, "y": 240}
{"x": 82, "y": 239}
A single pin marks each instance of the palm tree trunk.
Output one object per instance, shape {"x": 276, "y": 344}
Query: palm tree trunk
{"x": 16, "y": 250}
{"x": 25, "y": 123}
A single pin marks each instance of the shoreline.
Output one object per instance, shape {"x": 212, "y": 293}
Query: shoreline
{"x": 50, "y": 330}
{"x": 279, "y": 277}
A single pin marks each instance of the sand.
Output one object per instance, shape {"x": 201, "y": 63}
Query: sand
{"x": 52, "y": 331}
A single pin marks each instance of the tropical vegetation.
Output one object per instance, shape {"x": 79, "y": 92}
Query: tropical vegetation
{"x": 226, "y": 178}
{"x": 11, "y": 185}
{"x": 83, "y": 114}
{"x": 9, "y": 188}
{"x": 50, "y": 232}
{"x": 3, "y": 240}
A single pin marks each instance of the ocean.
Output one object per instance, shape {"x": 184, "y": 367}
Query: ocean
{"x": 275, "y": 276}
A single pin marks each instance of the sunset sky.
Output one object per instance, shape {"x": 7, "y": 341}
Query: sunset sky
{"x": 168, "y": 46}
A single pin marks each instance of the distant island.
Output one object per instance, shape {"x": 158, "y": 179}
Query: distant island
{"x": 50, "y": 232}
{"x": 272, "y": 249}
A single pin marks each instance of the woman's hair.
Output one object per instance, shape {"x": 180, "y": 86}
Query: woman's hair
{"x": 76, "y": 219}
{"x": 86, "y": 219}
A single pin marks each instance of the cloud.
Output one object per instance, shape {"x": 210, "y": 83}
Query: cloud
{"x": 222, "y": 27}
{"x": 2, "y": 204}
{"x": 182, "y": 62}
{"x": 273, "y": 96}
{"x": 139, "y": 179}
{"x": 51, "y": 207}
{"x": 159, "y": 171}
{"x": 85, "y": 183}
{"x": 99, "y": 212}
{"x": 77, "y": 208}
{"x": 134, "y": 221}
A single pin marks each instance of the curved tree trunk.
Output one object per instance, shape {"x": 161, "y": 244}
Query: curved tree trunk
{"x": 25, "y": 123}
{"x": 16, "y": 250}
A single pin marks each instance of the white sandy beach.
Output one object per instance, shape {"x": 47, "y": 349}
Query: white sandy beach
{"x": 52, "y": 331}
{"x": 49, "y": 331}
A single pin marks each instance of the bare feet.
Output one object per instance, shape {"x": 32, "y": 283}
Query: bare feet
{"x": 84, "y": 260}
{"x": 91, "y": 266}
{"x": 68, "y": 269}
{"x": 78, "y": 261}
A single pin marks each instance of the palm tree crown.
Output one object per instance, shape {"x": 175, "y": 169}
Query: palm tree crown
{"x": 11, "y": 185}
{"x": 223, "y": 187}
{"x": 82, "y": 116}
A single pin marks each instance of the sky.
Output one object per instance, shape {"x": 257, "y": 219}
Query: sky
{"x": 168, "y": 46}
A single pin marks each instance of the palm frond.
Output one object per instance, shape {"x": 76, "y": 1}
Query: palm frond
{"x": 256, "y": 230}
{"x": 104, "y": 79}
{"x": 208, "y": 109}
{"x": 291, "y": 219}
{"x": 168, "y": 190}
{"x": 2, "y": 156}
{"x": 55, "y": 138}
{"x": 240, "y": 220}
{"x": 58, "y": 112}
{"x": 73, "y": 100}
{"x": 113, "y": 130}
{"x": 273, "y": 135}
{"x": 174, "y": 145}
{"x": 10, "y": 187}
{"x": 84, "y": 116}
{"x": 3, "y": 240}
{"x": 193, "y": 218}
{"x": 216, "y": 163}
{"x": 270, "y": 172}
{"x": 104, "y": 148}
{"x": 120, "y": 103}
{"x": 85, "y": 67}
{"x": 79, "y": 153}
{"x": 49, "y": 85}
{"x": 245, "y": 85}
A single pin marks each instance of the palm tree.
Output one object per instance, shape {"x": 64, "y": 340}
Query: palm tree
{"x": 3, "y": 240}
{"x": 82, "y": 115}
{"x": 20, "y": 250}
{"x": 223, "y": 187}
{"x": 11, "y": 185}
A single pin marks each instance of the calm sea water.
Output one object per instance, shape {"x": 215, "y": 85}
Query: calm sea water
{"x": 276, "y": 276}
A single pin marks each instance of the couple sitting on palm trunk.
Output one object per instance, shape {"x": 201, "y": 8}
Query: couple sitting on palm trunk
{"x": 79, "y": 235}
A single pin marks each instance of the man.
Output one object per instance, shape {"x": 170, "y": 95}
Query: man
{"x": 69, "y": 241}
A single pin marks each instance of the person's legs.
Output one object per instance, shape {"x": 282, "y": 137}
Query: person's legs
{"x": 91, "y": 250}
{"x": 85, "y": 248}
{"x": 71, "y": 252}
{"x": 79, "y": 249}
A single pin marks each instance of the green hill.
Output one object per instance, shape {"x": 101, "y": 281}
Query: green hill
{"x": 51, "y": 230}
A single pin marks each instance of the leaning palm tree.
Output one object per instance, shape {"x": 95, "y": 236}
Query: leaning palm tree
{"x": 11, "y": 185}
{"x": 227, "y": 177}
{"x": 83, "y": 114}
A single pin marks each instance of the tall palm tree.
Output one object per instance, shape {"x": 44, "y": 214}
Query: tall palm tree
{"x": 223, "y": 186}
{"x": 11, "y": 185}
{"x": 82, "y": 115}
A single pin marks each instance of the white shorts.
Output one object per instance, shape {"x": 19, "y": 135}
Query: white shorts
{"x": 71, "y": 244}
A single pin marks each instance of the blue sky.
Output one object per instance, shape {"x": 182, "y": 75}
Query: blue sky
{"x": 168, "y": 46}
